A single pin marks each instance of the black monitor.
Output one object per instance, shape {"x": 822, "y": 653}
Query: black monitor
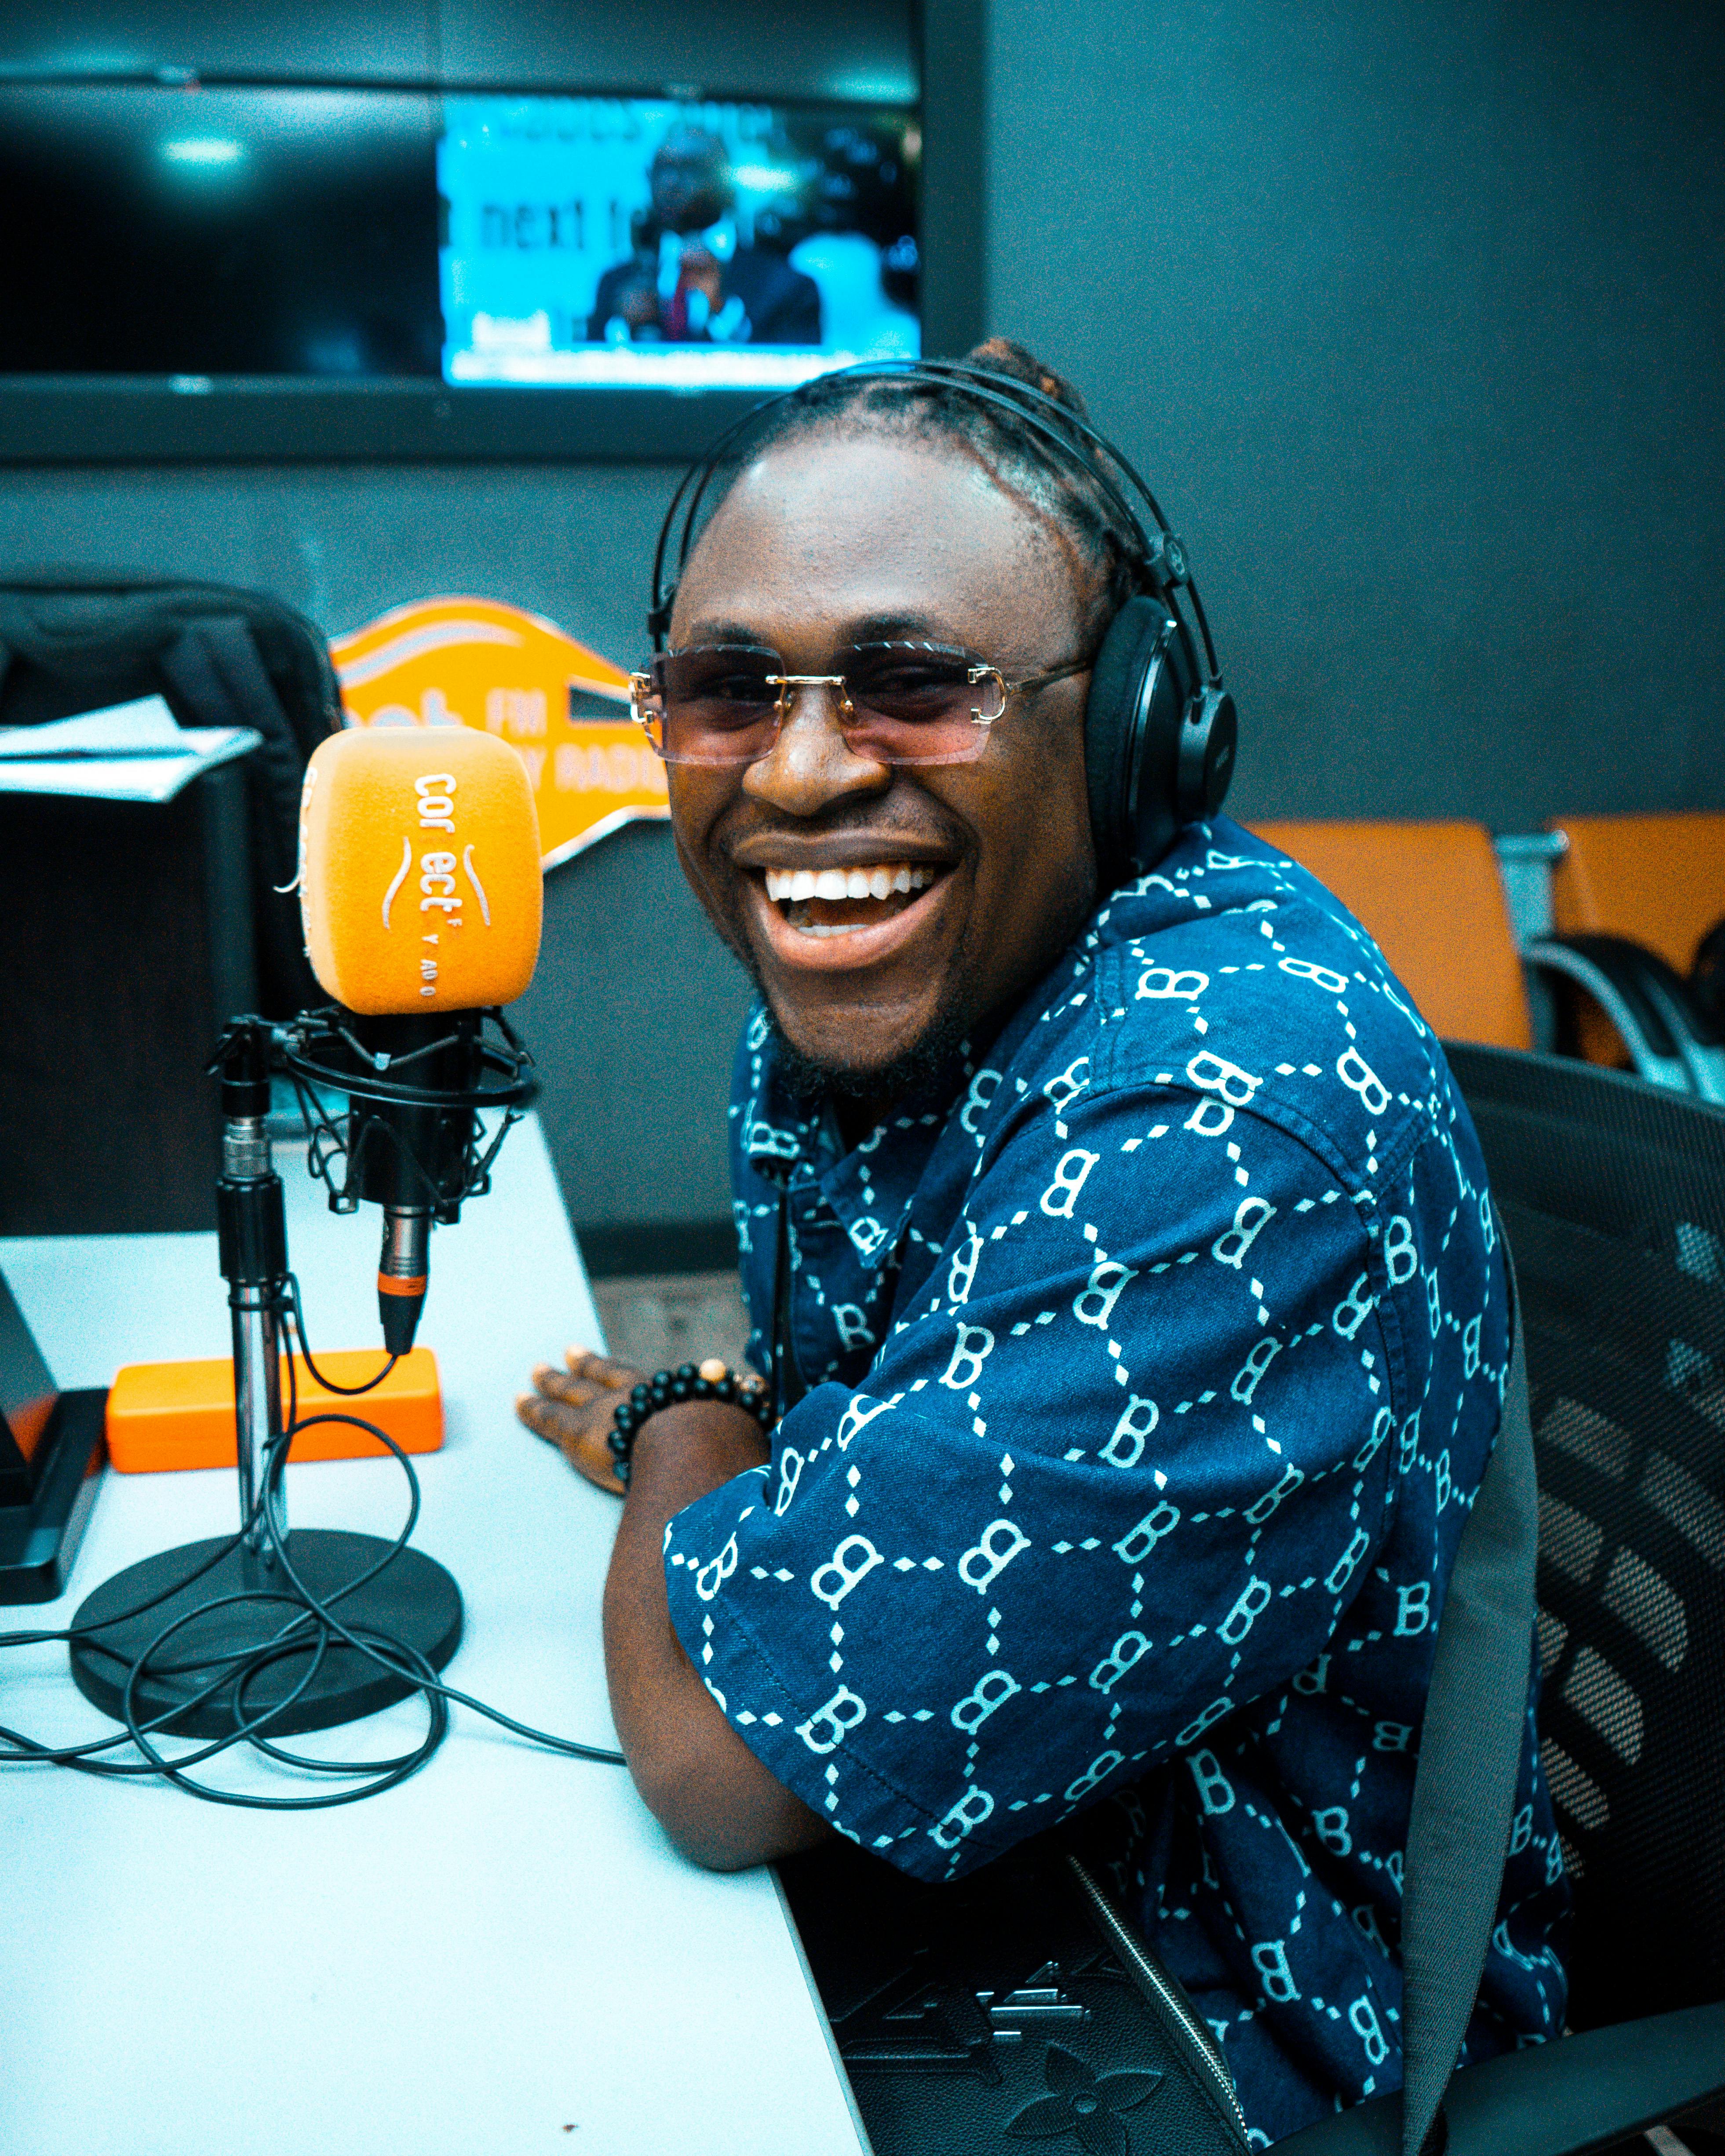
{"x": 228, "y": 267}
{"x": 195, "y": 236}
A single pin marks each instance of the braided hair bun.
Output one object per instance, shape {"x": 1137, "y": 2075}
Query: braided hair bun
{"x": 1004, "y": 355}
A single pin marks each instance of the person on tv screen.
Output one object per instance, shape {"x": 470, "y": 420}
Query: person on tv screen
{"x": 688, "y": 281}
{"x": 1121, "y": 1265}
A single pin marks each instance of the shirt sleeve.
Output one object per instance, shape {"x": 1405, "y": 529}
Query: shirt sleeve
{"x": 1119, "y": 1468}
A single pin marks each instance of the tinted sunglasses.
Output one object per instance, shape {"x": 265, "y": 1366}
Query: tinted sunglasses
{"x": 909, "y": 702}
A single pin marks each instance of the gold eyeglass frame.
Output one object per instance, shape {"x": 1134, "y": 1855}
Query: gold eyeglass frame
{"x": 641, "y": 686}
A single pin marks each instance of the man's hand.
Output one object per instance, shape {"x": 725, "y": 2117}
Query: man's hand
{"x": 698, "y": 271}
{"x": 571, "y": 1408}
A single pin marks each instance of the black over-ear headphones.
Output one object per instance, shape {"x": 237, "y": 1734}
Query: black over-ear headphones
{"x": 1159, "y": 729}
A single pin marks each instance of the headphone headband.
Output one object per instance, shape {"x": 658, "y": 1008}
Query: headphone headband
{"x": 1161, "y": 562}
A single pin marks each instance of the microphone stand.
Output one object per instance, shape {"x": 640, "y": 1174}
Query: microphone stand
{"x": 204, "y": 1639}
{"x": 251, "y": 1235}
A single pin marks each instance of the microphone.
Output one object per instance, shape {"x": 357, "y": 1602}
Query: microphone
{"x": 421, "y": 894}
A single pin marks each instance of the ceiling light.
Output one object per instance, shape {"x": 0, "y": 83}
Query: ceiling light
{"x": 203, "y": 150}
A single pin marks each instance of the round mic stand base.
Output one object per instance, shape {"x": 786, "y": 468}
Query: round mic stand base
{"x": 262, "y": 1647}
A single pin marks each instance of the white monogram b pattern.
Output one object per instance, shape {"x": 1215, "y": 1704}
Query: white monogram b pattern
{"x": 1154, "y": 1360}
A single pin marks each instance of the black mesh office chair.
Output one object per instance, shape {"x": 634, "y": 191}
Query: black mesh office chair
{"x": 1612, "y": 1193}
{"x": 1614, "y": 1196}
{"x": 1615, "y": 1204}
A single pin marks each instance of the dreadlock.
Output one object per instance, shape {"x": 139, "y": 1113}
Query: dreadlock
{"x": 1065, "y": 489}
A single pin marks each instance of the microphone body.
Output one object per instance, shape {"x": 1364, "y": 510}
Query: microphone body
{"x": 420, "y": 890}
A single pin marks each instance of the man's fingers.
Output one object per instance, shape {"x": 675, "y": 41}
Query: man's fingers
{"x": 558, "y": 1385}
{"x": 571, "y": 1408}
{"x": 551, "y": 1419}
{"x": 600, "y": 1369}
{"x": 574, "y": 1434}
{"x": 555, "y": 1422}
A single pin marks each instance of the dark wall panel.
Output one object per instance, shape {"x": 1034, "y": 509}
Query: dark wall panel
{"x": 633, "y": 1018}
{"x": 955, "y": 205}
{"x": 1413, "y": 314}
{"x": 819, "y": 48}
{"x": 384, "y": 40}
{"x": 822, "y": 48}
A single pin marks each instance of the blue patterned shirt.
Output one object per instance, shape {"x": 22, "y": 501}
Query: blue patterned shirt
{"x": 1153, "y": 1362}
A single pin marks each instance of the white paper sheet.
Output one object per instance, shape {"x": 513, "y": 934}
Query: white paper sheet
{"x": 147, "y": 757}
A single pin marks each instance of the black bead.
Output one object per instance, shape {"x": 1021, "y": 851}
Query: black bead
{"x": 641, "y": 1395}
{"x": 621, "y": 1470}
{"x": 617, "y": 1441}
{"x": 680, "y": 1388}
{"x": 726, "y": 1388}
{"x": 686, "y": 1372}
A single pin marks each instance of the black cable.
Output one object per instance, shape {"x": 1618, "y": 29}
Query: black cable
{"x": 315, "y": 1631}
{"x": 412, "y": 1659}
{"x": 348, "y": 1392}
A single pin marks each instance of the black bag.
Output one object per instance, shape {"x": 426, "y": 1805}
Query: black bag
{"x": 75, "y": 640}
{"x": 1013, "y": 2005}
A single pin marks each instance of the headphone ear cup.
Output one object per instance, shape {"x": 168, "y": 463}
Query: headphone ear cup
{"x": 1208, "y": 737}
{"x": 1138, "y": 696}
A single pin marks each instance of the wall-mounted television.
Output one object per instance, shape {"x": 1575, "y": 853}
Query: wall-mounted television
{"x": 368, "y": 234}
{"x": 252, "y": 268}
{"x": 644, "y": 243}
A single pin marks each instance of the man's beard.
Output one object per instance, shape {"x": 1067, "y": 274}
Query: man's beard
{"x": 914, "y": 1069}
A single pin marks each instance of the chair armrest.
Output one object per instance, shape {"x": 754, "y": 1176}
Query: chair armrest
{"x": 1671, "y": 1042}
{"x": 1558, "y": 2099}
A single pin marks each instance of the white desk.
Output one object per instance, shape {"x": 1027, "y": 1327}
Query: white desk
{"x": 504, "y": 1955}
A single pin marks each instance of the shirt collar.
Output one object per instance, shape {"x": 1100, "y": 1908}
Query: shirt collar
{"x": 870, "y": 1188}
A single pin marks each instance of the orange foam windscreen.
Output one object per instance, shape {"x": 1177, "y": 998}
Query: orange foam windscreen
{"x": 180, "y": 1415}
{"x": 420, "y": 886}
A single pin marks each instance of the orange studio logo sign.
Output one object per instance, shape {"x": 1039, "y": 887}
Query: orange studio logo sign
{"x": 478, "y": 663}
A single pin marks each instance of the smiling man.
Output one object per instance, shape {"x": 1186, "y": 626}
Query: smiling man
{"x": 1120, "y": 1257}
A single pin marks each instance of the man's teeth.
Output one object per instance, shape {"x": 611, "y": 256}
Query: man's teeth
{"x": 793, "y": 884}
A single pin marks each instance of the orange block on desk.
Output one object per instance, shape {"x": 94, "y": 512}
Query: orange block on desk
{"x": 180, "y": 1415}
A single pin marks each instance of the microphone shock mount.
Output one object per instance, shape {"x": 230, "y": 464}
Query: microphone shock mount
{"x": 412, "y": 1141}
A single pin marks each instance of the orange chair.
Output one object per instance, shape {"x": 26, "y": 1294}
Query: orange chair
{"x": 1632, "y": 899}
{"x": 1431, "y": 897}
{"x": 1659, "y": 880}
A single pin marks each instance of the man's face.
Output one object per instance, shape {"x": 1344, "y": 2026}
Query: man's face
{"x": 839, "y": 540}
{"x": 688, "y": 182}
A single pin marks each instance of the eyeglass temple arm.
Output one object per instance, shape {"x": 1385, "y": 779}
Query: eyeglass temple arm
{"x": 979, "y": 674}
{"x": 1055, "y": 674}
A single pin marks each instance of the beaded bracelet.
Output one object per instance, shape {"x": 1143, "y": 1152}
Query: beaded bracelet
{"x": 713, "y": 1380}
